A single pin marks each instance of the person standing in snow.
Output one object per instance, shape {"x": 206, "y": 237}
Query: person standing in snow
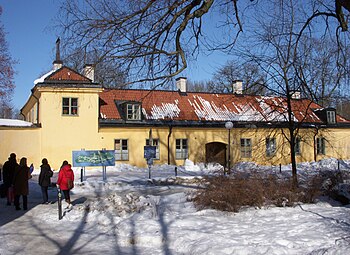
{"x": 20, "y": 182}
{"x": 65, "y": 181}
{"x": 45, "y": 179}
{"x": 8, "y": 174}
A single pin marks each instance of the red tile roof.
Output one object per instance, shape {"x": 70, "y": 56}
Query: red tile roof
{"x": 195, "y": 106}
{"x": 66, "y": 74}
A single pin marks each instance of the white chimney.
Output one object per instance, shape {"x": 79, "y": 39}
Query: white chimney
{"x": 181, "y": 84}
{"x": 295, "y": 94}
{"x": 89, "y": 72}
{"x": 237, "y": 87}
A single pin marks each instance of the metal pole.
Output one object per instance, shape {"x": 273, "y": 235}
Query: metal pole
{"x": 229, "y": 152}
{"x": 59, "y": 203}
{"x": 81, "y": 175}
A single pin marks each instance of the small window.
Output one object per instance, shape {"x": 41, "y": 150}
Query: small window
{"x": 155, "y": 143}
{"x": 270, "y": 146}
{"x": 297, "y": 146}
{"x": 321, "y": 145}
{"x": 69, "y": 106}
{"x": 121, "y": 149}
{"x": 331, "y": 117}
{"x": 246, "y": 148}
{"x": 181, "y": 149}
{"x": 133, "y": 112}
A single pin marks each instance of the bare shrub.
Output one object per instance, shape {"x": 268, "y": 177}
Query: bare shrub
{"x": 233, "y": 193}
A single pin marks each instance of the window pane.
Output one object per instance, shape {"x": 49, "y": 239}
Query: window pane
{"x": 74, "y": 101}
{"x": 65, "y": 101}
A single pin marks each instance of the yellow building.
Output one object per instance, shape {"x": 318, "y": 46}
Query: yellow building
{"x": 67, "y": 111}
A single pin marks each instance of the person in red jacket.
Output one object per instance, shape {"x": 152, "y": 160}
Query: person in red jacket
{"x": 65, "y": 181}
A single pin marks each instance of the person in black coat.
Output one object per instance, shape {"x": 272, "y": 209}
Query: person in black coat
{"x": 20, "y": 183}
{"x": 8, "y": 174}
{"x": 45, "y": 179}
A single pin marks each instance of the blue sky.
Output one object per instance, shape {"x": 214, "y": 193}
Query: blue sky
{"x": 31, "y": 42}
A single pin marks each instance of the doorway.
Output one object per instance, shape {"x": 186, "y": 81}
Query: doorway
{"x": 215, "y": 152}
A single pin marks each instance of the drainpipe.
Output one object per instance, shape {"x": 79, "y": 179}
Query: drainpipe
{"x": 37, "y": 109}
{"x": 315, "y": 144}
{"x": 170, "y": 131}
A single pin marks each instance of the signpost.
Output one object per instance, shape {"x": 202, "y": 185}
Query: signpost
{"x": 149, "y": 155}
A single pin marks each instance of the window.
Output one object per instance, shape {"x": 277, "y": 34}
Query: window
{"x": 270, "y": 146}
{"x": 297, "y": 146}
{"x": 155, "y": 143}
{"x": 69, "y": 106}
{"x": 246, "y": 148}
{"x": 331, "y": 117}
{"x": 133, "y": 112}
{"x": 121, "y": 149}
{"x": 321, "y": 146}
{"x": 181, "y": 149}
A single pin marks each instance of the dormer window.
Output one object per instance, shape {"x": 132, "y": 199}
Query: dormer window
{"x": 331, "y": 117}
{"x": 133, "y": 111}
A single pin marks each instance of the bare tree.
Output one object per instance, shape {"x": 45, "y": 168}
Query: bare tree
{"x": 6, "y": 76}
{"x": 295, "y": 61}
{"x": 107, "y": 72}
{"x": 250, "y": 74}
{"x": 155, "y": 40}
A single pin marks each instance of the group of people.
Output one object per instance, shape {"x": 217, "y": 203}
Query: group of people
{"x": 16, "y": 177}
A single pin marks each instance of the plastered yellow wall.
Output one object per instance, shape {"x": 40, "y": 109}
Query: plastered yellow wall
{"x": 25, "y": 142}
{"x": 337, "y": 144}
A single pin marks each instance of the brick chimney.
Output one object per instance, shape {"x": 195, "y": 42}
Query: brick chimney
{"x": 181, "y": 84}
{"x": 237, "y": 87}
{"x": 57, "y": 64}
{"x": 89, "y": 72}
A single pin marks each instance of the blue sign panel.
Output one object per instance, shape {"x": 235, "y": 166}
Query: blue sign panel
{"x": 93, "y": 158}
{"x": 149, "y": 152}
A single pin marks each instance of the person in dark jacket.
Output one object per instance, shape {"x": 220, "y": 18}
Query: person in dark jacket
{"x": 65, "y": 175}
{"x": 45, "y": 179}
{"x": 20, "y": 182}
{"x": 8, "y": 174}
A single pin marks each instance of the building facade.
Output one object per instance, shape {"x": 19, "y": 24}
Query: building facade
{"x": 68, "y": 111}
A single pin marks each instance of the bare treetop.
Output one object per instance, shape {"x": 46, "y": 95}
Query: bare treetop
{"x": 155, "y": 40}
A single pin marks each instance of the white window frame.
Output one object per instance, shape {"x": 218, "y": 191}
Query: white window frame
{"x": 320, "y": 146}
{"x": 121, "y": 147}
{"x": 246, "y": 147}
{"x": 155, "y": 143}
{"x": 133, "y": 111}
{"x": 331, "y": 117}
{"x": 181, "y": 148}
{"x": 270, "y": 146}
{"x": 68, "y": 108}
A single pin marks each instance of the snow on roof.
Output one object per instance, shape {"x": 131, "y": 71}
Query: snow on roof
{"x": 14, "y": 123}
{"x": 42, "y": 78}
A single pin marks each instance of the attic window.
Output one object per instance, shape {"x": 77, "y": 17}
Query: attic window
{"x": 133, "y": 111}
{"x": 331, "y": 117}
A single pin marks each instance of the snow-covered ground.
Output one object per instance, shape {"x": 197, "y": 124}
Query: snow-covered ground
{"x": 127, "y": 214}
